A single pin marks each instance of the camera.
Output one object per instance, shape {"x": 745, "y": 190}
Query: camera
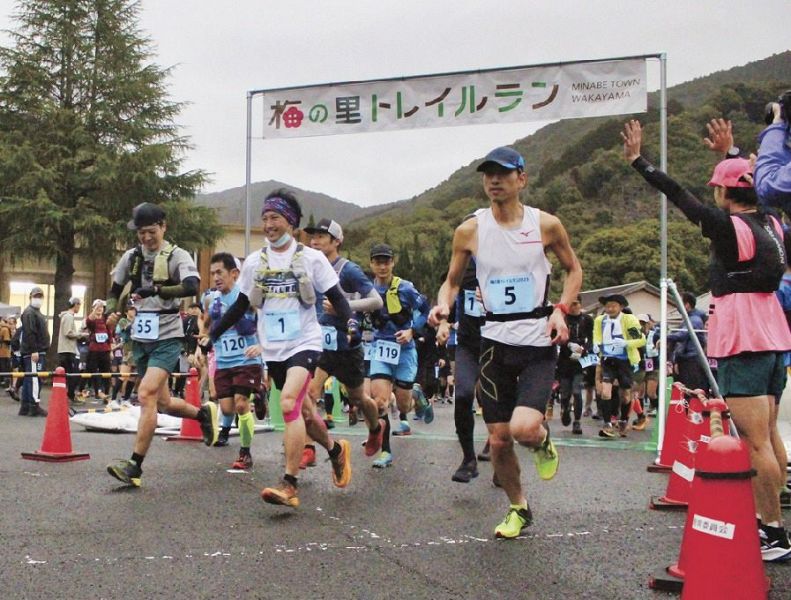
{"x": 784, "y": 100}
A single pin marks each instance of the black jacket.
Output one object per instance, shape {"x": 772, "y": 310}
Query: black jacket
{"x": 35, "y": 335}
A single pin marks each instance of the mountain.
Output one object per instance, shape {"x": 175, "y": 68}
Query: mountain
{"x": 230, "y": 204}
{"x": 576, "y": 171}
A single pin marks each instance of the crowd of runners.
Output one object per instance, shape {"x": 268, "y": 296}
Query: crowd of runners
{"x": 295, "y": 313}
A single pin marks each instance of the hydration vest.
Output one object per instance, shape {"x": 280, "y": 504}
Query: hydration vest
{"x": 161, "y": 273}
{"x": 393, "y": 310}
{"x": 338, "y": 267}
{"x": 305, "y": 293}
{"x": 761, "y": 273}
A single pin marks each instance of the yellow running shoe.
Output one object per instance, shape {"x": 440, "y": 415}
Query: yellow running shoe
{"x": 517, "y": 518}
{"x": 546, "y": 458}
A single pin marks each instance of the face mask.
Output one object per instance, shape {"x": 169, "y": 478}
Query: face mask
{"x": 36, "y": 302}
{"x": 284, "y": 239}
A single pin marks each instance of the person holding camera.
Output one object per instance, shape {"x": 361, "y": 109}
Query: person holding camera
{"x": 772, "y": 176}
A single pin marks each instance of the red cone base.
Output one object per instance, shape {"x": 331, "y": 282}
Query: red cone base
{"x": 656, "y": 468}
{"x": 190, "y": 428}
{"x": 665, "y": 503}
{"x": 50, "y": 457}
{"x": 663, "y": 581}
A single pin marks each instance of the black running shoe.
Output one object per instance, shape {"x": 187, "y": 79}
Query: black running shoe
{"x": 466, "y": 472}
{"x": 222, "y": 438}
{"x": 207, "y": 416}
{"x": 259, "y": 404}
{"x": 485, "y": 454}
{"x": 565, "y": 415}
{"x": 126, "y": 471}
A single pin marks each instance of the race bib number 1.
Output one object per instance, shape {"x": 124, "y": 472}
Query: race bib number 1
{"x": 329, "y": 340}
{"x": 146, "y": 326}
{"x": 387, "y": 352}
{"x": 511, "y": 294}
{"x": 471, "y": 305}
{"x": 282, "y": 326}
{"x": 588, "y": 360}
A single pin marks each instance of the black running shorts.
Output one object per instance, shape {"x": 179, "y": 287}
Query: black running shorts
{"x": 345, "y": 365}
{"x": 514, "y": 376}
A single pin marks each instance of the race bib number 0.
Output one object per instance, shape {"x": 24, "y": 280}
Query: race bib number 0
{"x": 232, "y": 345}
{"x": 472, "y": 306}
{"x": 329, "y": 337}
{"x": 146, "y": 326}
{"x": 282, "y": 326}
{"x": 511, "y": 294}
{"x": 101, "y": 338}
{"x": 387, "y": 352}
{"x": 589, "y": 360}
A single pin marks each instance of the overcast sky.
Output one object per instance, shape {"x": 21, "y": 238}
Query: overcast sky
{"x": 220, "y": 50}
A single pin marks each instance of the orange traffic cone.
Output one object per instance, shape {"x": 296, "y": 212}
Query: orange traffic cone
{"x": 721, "y": 535}
{"x": 56, "y": 445}
{"x": 680, "y": 481}
{"x": 190, "y": 428}
{"x": 675, "y": 428}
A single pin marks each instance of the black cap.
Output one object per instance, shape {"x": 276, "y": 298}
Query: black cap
{"x": 326, "y": 226}
{"x": 381, "y": 250}
{"x": 145, "y": 215}
{"x": 620, "y": 299}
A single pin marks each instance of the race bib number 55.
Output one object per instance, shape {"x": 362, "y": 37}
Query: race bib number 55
{"x": 146, "y": 326}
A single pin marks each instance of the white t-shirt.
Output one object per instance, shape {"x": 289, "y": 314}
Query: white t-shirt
{"x": 285, "y": 326}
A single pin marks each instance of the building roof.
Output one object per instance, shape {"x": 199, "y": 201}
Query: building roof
{"x": 590, "y": 298}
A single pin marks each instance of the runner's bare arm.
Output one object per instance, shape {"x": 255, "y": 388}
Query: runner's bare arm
{"x": 463, "y": 247}
{"x": 554, "y": 236}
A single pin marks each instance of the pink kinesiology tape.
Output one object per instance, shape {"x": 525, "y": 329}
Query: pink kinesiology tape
{"x": 294, "y": 413}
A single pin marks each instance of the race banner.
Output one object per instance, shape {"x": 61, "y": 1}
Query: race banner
{"x": 587, "y": 89}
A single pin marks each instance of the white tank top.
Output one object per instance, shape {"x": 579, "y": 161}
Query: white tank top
{"x": 513, "y": 273}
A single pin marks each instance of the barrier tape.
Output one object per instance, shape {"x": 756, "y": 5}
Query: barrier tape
{"x": 46, "y": 374}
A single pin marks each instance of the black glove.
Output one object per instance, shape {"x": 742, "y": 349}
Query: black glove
{"x": 145, "y": 292}
{"x": 354, "y": 332}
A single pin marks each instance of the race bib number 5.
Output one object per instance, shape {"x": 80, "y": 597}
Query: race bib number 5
{"x": 512, "y": 294}
{"x": 146, "y": 326}
{"x": 387, "y": 352}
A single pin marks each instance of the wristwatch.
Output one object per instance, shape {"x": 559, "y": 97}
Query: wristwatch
{"x": 733, "y": 152}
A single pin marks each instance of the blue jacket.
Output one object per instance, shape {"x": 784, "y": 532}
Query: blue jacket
{"x": 685, "y": 347}
{"x": 772, "y": 175}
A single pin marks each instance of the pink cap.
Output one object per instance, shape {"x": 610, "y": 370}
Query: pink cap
{"x": 730, "y": 173}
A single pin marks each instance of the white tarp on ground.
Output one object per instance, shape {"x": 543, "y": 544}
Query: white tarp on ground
{"x": 125, "y": 421}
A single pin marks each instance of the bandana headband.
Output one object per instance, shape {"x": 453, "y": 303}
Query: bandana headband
{"x": 282, "y": 207}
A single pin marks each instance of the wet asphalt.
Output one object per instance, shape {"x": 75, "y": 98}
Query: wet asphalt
{"x": 193, "y": 530}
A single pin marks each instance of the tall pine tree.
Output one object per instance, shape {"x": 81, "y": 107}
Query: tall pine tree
{"x": 87, "y": 132}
